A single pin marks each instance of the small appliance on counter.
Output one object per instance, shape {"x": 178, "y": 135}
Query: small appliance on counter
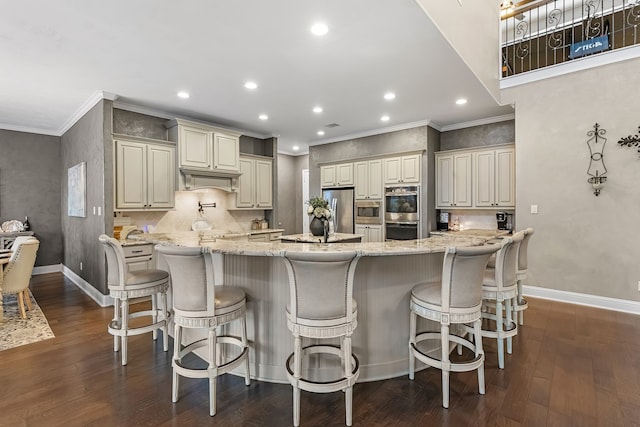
{"x": 504, "y": 220}
{"x": 443, "y": 221}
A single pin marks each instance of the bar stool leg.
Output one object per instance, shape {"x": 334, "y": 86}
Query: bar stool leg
{"x": 117, "y": 323}
{"x": 177, "y": 344}
{"x": 297, "y": 368}
{"x": 348, "y": 395}
{"x": 247, "y": 373}
{"x": 500, "y": 333}
{"x": 165, "y": 326}
{"x": 412, "y": 340}
{"x": 213, "y": 367}
{"x": 125, "y": 329}
{"x": 509, "y": 314}
{"x": 477, "y": 329}
{"x": 444, "y": 342}
{"x": 154, "y": 315}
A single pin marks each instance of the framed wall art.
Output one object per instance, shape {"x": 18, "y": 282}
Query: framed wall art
{"x": 77, "y": 190}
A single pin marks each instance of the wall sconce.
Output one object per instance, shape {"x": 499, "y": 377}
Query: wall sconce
{"x": 597, "y": 170}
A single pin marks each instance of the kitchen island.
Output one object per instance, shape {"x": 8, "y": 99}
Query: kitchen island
{"x": 384, "y": 277}
{"x": 333, "y": 238}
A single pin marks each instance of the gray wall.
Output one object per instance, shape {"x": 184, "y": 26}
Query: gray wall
{"x": 89, "y": 140}
{"x": 137, "y": 124}
{"x": 478, "y": 136}
{"x": 415, "y": 139}
{"x": 285, "y": 199}
{"x": 30, "y": 185}
{"x": 583, "y": 243}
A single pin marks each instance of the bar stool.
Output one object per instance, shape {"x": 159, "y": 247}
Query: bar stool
{"x": 322, "y": 307}
{"x": 499, "y": 289}
{"x": 198, "y": 303}
{"x": 125, "y": 285}
{"x": 455, "y": 299}
{"x": 520, "y": 302}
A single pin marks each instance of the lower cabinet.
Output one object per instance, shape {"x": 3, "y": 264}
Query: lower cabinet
{"x": 139, "y": 257}
{"x": 370, "y": 233}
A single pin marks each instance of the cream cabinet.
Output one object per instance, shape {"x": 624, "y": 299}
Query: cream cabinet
{"x": 145, "y": 175}
{"x": 368, "y": 179}
{"x": 255, "y": 185}
{"x": 453, "y": 180}
{"x": 370, "y": 233}
{"x": 494, "y": 172}
{"x": 205, "y": 148}
{"x": 340, "y": 175}
{"x": 402, "y": 170}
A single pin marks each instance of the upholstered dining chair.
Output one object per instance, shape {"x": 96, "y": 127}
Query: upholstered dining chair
{"x": 125, "y": 285}
{"x": 198, "y": 303}
{"x": 499, "y": 290}
{"x": 17, "y": 272}
{"x": 321, "y": 306}
{"x": 455, "y": 299}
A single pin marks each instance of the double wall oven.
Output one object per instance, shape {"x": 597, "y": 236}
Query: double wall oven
{"x": 402, "y": 213}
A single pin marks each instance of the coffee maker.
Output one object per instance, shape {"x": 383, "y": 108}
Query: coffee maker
{"x": 443, "y": 221}
{"x": 504, "y": 220}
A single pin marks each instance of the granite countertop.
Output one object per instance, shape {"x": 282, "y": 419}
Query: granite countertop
{"x": 267, "y": 230}
{"x": 199, "y": 236}
{"x": 402, "y": 247}
{"x": 310, "y": 238}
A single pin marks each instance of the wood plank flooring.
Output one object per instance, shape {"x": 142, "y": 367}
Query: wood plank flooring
{"x": 571, "y": 366}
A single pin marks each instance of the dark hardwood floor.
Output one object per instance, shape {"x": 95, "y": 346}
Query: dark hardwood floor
{"x": 571, "y": 366}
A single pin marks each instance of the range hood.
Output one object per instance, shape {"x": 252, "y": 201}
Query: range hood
{"x": 194, "y": 179}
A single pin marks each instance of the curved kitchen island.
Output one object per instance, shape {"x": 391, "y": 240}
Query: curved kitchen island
{"x": 384, "y": 277}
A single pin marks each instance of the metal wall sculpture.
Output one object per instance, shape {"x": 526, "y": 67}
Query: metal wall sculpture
{"x": 631, "y": 141}
{"x": 597, "y": 170}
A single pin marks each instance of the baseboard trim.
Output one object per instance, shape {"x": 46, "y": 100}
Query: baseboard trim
{"x": 615, "y": 304}
{"x": 101, "y": 299}
{"x": 45, "y": 269}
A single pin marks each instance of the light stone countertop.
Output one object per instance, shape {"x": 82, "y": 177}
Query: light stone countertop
{"x": 310, "y": 238}
{"x": 404, "y": 247}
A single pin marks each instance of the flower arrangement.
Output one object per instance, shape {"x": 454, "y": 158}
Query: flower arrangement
{"x": 319, "y": 208}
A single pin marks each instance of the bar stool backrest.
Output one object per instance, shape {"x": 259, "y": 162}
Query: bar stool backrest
{"x": 507, "y": 261}
{"x": 462, "y": 275}
{"x": 192, "y": 280}
{"x": 522, "y": 253}
{"x": 116, "y": 264}
{"x": 321, "y": 284}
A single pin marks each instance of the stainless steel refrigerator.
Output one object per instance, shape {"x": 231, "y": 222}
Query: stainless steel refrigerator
{"x": 341, "y": 202}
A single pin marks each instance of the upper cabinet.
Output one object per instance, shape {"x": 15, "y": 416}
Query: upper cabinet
{"x": 205, "y": 148}
{"x": 453, "y": 180}
{"x": 368, "y": 179}
{"x": 340, "y": 175}
{"x": 145, "y": 175}
{"x": 477, "y": 178}
{"x": 255, "y": 185}
{"x": 402, "y": 170}
{"x": 495, "y": 178}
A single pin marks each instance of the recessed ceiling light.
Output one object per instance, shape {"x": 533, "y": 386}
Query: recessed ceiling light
{"x": 461, "y": 101}
{"x": 183, "y": 95}
{"x": 263, "y": 117}
{"x": 319, "y": 29}
{"x": 317, "y": 109}
{"x": 389, "y": 96}
{"x": 384, "y": 118}
{"x": 320, "y": 132}
{"x": 295, "y": 148}
{"x": 251, "y": 85}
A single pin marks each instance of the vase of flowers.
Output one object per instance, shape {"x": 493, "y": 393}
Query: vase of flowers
{"x": 320, "y": 213}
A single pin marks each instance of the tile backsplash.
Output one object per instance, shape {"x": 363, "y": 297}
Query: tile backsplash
{"x": 475, "y": 219}
{"x": 186, "y": 211}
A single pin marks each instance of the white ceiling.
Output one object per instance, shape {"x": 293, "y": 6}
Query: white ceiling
{"x": 57, "y": 55}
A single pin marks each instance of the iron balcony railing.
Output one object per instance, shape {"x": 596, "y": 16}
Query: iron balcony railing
{"x": 541, "y": 33}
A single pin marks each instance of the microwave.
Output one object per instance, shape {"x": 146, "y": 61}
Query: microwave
{"x": 368, "y": 212}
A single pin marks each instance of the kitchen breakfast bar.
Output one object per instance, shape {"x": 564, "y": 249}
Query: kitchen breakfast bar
{"x": 384, "y": 277}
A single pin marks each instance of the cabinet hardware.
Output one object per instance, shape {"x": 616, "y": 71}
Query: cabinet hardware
{"x": 137, "y": 251}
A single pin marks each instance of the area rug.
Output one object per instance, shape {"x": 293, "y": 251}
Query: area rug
{"x": 16, "y": 331}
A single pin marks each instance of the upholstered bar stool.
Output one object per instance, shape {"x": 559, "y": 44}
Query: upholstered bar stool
{"x": 499, "y": 289}
{"x": 521, "y": 274}
{"x": 455, "y": 299}
{"x": 199, "y": 304}
{"x": 125, "y": 285}
{"x": 322, "y": 307}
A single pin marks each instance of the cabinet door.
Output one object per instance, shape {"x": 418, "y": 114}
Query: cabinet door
{"x": 226, "y": 152}
{"x": 245, "y": 194}
{"x": 195, "y": 148}
{"x": 362, "y": 229}
{"x": 444, "y": 181}
{"x": 361, "y": 174}
{"x": 328, "y": 176}
{"x": 264, "y": 184}
{"x": 131, "y": 179}
{"x": 375, "y": 233}
{"x": 411, "y": 168}
{"x": 344, "y": 174}
{"x": 462, "y": 188}
{"x": 484, "y": 179}
{"x": 392, "y": 170}
{"x": 505, "y": 171}
{"x": 161, "y": 176}
{"x": 375, "y": 179}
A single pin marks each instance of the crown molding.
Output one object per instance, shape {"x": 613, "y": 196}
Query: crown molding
{"x": 91, "y": 102}
{"x": 26, "y": 129}
{"x": 372, "y": 132}
{"x": 479, "y": 122}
